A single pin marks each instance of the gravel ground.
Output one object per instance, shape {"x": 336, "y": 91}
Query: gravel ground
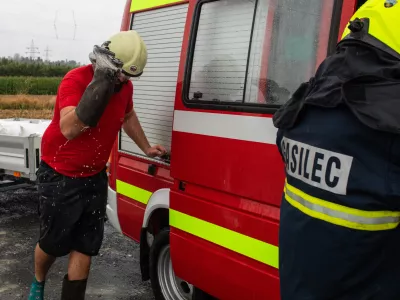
{"x": 115, "y": 274}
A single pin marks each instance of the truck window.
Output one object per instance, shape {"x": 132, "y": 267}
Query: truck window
{"x": 154, "y": 92}
{"x": 249, "y": 52}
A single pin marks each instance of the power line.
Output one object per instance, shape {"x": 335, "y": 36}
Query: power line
{"x": 46, "y": 36}
{"x": 55, "y": 26}
{"x": 32, "y": 50}
{"x": 75, "y": 26}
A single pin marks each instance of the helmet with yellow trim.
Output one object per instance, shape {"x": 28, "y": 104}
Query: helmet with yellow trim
{"x": 377, "y": 23}
{"x": 129, "y": 48}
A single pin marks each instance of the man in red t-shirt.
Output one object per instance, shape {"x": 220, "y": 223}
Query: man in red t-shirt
{"x": 93, "y": 103}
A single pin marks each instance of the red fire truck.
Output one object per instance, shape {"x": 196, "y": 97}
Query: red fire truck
{"x": 207, "y": 217}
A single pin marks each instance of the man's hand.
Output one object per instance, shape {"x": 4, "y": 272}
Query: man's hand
{"x": 135, "y": 131}
{"x": 156, "y": 150}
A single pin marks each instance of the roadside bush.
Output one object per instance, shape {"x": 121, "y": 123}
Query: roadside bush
{"x": 29, "y": 85}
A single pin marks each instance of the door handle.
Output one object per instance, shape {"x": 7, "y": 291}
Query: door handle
{"x": 152, "y": 169}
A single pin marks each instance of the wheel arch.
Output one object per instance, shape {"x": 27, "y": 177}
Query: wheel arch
{"x": 156, "y": 217}
{"x": 158, "y": 200}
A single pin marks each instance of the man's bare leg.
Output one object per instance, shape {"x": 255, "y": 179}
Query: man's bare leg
{"x": 74, "y": 284}
{"x": 78, "y": 266}
{"x": 43, "y": 262}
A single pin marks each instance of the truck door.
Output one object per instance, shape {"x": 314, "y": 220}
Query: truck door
{"x": 153, "y": 99}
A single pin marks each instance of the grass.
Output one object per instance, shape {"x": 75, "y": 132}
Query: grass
{"x": 28, "y": 114}
{"x": 29, "y": 85}
{"x": 26, "y": 106}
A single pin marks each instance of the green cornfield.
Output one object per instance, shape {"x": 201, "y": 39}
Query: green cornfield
{"x": 29, "y": 85}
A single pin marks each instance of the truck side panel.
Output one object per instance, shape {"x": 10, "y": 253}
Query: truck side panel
{"x": 134, "y": 188}
{"x": 224, "y": 206}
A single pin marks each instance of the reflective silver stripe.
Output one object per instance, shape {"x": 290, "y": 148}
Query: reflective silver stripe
{"x": 342, "y": 215}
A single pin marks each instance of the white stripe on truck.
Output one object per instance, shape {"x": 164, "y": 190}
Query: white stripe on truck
{"x": 238, "y": 127}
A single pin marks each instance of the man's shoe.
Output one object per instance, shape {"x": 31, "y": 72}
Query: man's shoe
{"x": 37, "y": 290}
{"x": 73, "y": 290}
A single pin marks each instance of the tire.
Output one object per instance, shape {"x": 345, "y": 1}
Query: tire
{"x": 166, "y": 287}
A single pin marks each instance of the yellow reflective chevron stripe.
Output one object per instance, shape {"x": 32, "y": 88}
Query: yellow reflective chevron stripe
{"x": 137, "y": 5}
{"x": 232, "y": 240}
{"x": 133, "y": 192}
{"x": 339, "y": 214}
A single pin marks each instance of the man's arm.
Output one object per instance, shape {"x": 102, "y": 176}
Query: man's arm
{"x": 134, "y": 130}
{"x": 70, "y": 125}
{"x": 69, "y": 95}
{"x": 80, "y": 111}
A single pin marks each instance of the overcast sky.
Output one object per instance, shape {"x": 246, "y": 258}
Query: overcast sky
{"x": 24, "y": 20}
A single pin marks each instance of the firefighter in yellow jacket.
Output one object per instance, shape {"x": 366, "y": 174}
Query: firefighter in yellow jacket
{"x": 339, "y": 136}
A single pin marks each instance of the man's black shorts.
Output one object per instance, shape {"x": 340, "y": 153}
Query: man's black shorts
{"x": 72, "y": 212}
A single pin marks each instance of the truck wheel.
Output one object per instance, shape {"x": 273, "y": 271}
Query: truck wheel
{"x": 165, "y": 285}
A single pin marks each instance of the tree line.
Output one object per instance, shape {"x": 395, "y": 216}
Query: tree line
{"x": 23, "y": 66}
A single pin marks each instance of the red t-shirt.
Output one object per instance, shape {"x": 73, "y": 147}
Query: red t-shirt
{"x": 87, "y": 154}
